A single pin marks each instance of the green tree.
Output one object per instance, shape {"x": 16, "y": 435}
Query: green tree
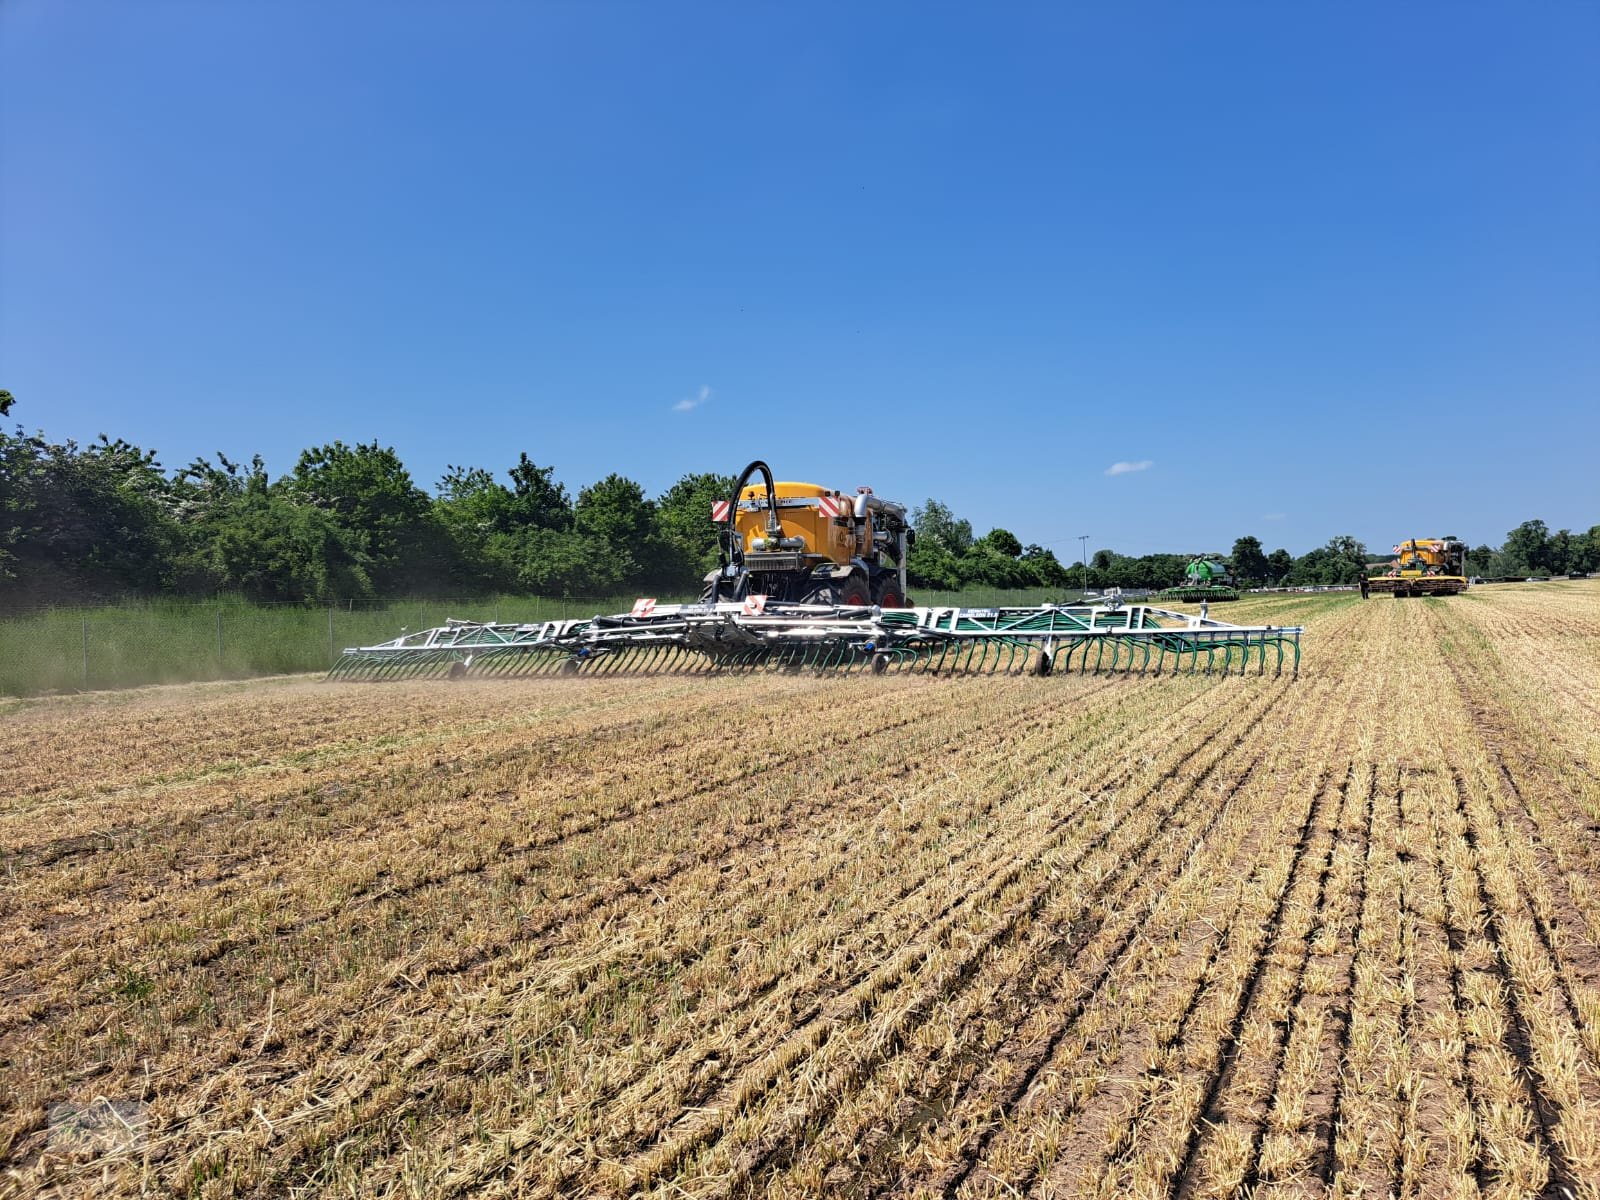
{"x": 82, "y": 523}
{"x": 368, "y": 492}
{"x": 6, "y": 401}
{"x": 1559, "y": 550}
{"x": 1250, "y": 565}
{"x": 1480, "y": 560}
{"x": 614, "y": 516}
{"x": 471, "y": 501}
{"x": 563, "y": 562}
{"x": 938, "y": 527}
{"x": 1002, "y": 541}
{"x": 1279, "y": 563}
{"x": 683, "y": 513}
{"x": 1527, "y": 549}
{"x": 1045, "y": 568}
{"x": 1586, "y": 551}
{"x": 538, "y": 500}
{"x": 244, "y": 534}
{"x": 1350, "y": 558}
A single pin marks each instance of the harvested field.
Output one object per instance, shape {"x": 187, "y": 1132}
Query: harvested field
{"x": 793, "y": 936}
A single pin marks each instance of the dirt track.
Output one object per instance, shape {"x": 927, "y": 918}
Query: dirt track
{"x": 799, "y": 936}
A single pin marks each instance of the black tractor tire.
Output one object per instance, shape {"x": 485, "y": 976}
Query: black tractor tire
{"x": 852, "y": 590}
{"x": 888, "y": 594}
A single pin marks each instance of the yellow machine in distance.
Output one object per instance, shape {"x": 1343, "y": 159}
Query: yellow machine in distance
{"x": 810, "y": 544}
{"x": 1424, "y": 567}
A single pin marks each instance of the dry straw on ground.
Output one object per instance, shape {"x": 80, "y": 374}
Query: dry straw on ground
{"x": 792, "y": 936}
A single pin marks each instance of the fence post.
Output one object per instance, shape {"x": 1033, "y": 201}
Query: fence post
{"x": 219, "y": 642}
{"x": 331, "y": 658}
{"x": 85, "y": 651}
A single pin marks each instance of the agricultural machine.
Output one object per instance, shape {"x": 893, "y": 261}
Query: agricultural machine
{"x": 800, "y": 542}
{"x": 1203, "y": 579}
{"x": 813, "y": 579}
{"x": 1424, "y": 567}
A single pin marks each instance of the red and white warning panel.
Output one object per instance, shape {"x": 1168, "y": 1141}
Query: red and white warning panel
{"x": 755, "y": 605}
{"x": 644, "y": 606}
{"x": 719, "y": 511}
{"x": 833, "y": 506}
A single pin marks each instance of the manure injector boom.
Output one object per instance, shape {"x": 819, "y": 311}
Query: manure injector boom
{"x": 761, "y": 634}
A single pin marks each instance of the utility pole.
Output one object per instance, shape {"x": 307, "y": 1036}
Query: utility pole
{"x": 1083, "y": 559}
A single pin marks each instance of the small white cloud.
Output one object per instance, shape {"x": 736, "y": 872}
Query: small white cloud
{"x": 690, "y": 403}
{"x": 1123, "y": 468}
{"x": 1273, "y": 516}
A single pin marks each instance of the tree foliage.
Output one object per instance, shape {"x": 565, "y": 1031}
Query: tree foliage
{"x": 104, "y": 521}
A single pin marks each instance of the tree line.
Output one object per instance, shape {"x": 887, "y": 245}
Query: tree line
{"x": 105, "y": 521}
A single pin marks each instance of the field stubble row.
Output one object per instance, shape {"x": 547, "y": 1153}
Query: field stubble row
{"x": 796, "y": 937}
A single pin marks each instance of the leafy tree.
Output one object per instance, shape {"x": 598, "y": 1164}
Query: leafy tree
{"x": 683, "y": 513}
{"x": 620, "y": 524}
{"x": 538, "y": 500}
{"x": 562, "y": 562}
{"x": 985, "y": 566}
{"x": 1279, "y": 563}
{"x": 1250, "y": 565}
{"x": 1586, "y": 551}
{"x": 368, "y": 492}
{"x": 470, "y": 499}
{"x": 244, "y": 534}
{"x": 1046, "y": 569}
{"x": 1559, "y": 551}
{"x": 86, "y": 523}
{"x": 1527, "y": 548}
{"x": 1002, "y": 541}
{"x": 938, "y": 527}
{"x": 931, "y": 565}
{"x": 6, "y": 401}
{"x": 1480, "y": 560}
{"x": 1342, "y": 560}
{"x": 1350, "y": 556}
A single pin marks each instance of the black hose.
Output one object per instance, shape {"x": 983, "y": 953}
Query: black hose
{"x": 732, "y": 546}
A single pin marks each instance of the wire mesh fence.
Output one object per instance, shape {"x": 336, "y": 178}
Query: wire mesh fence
{"x": 127, "y": 645}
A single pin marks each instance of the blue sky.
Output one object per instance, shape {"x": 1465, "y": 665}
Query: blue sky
{"x": 1313, "y": 269}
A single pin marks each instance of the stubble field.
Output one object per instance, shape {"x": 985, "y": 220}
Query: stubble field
{"x": 791, "y": 936}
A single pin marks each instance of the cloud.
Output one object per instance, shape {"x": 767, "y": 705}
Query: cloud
{"x": 1123, "y": 468}
{"x": 690, "y": 403}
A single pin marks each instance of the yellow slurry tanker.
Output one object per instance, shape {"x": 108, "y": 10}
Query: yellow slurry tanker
{"x": 809, "y": 544}
{"x": 1424, "y": 567}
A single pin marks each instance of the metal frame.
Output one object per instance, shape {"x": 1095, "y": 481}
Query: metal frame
{"x": 731, "y": 637}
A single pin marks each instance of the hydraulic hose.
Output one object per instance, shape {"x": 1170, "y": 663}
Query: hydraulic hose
{"x": 733, "y": 547}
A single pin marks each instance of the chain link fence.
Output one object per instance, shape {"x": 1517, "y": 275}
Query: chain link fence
{"x": 67, "y": 649}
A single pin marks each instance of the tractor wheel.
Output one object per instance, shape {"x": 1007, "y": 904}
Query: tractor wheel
{"x": 889, "y": 595}
{"x": 840, "y": 591}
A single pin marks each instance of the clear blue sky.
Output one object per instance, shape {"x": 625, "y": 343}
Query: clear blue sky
{"x": 1326, "y": 268}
